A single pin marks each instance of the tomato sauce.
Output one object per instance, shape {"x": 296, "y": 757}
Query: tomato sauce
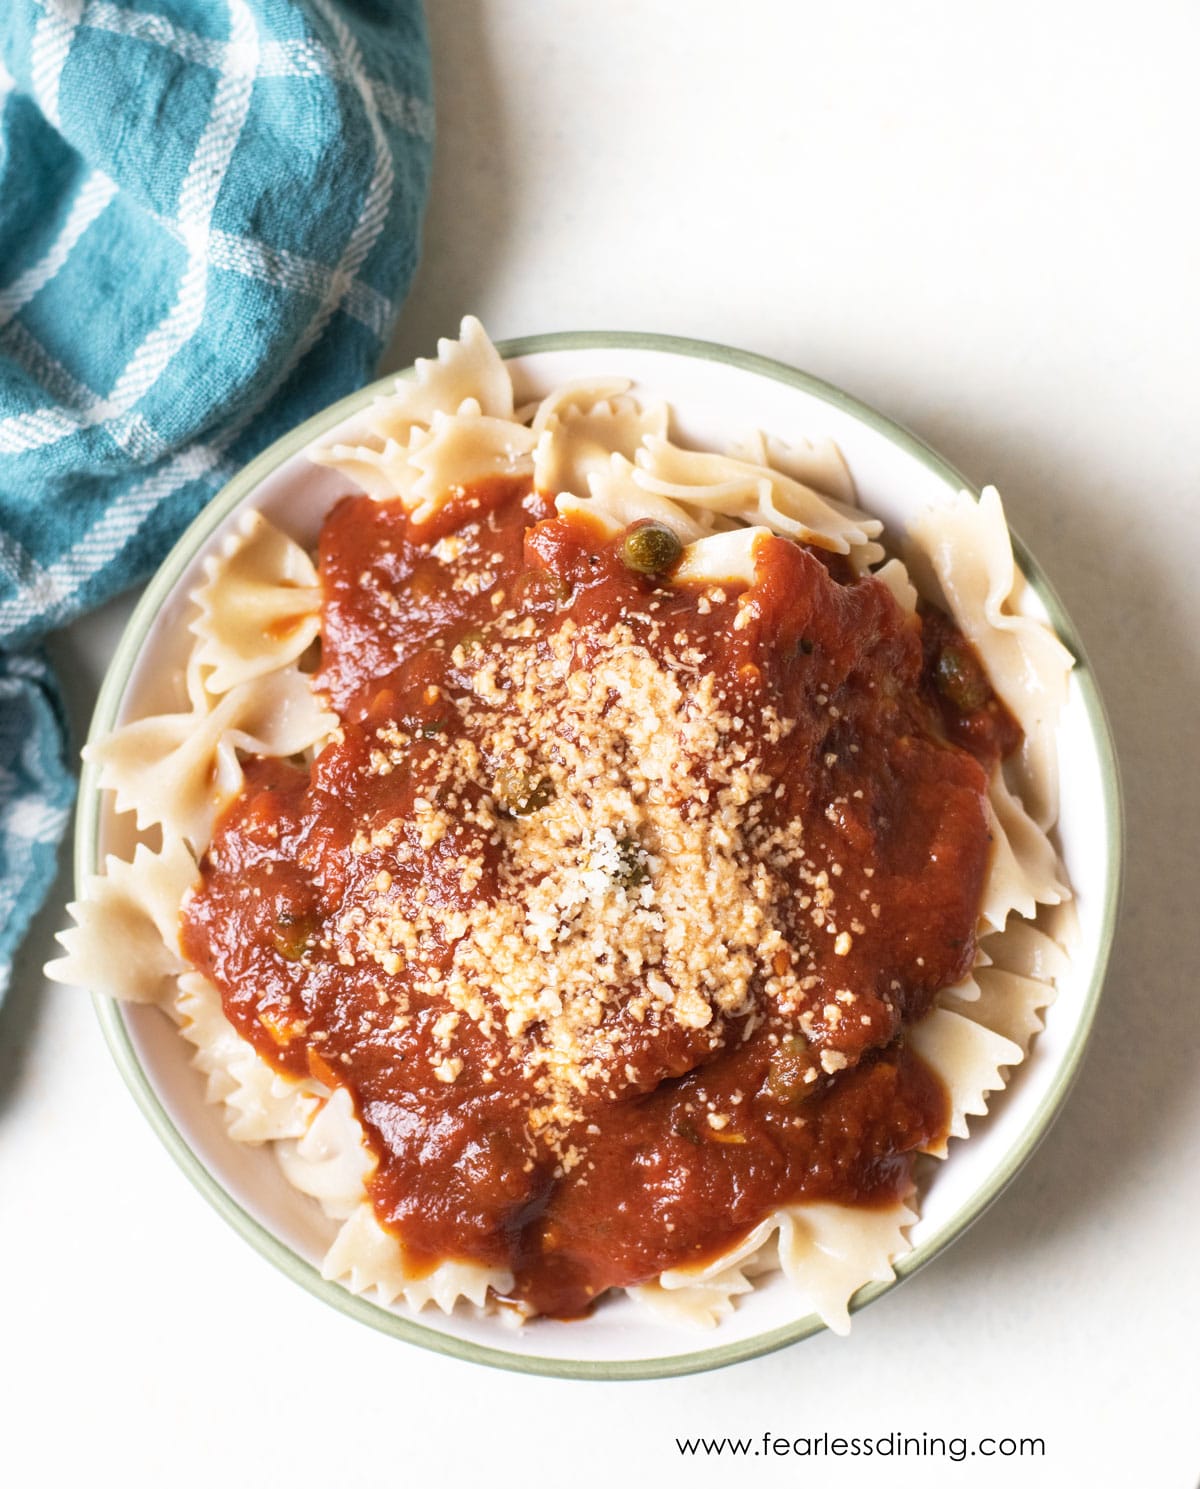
{"x": 703, "y": 1131}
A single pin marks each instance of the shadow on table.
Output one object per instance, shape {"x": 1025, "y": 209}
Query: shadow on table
{"x": 472, "y": 197}
{"x": 79, "y": 659}
{"x": 21, "y": 1011}
{"x": 1142, "y": 1062}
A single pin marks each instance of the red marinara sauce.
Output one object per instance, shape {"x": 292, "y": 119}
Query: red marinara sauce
{"x": 612, "y": 898}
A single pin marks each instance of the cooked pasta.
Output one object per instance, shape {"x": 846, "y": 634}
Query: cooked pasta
{"x": 604, "y": 456}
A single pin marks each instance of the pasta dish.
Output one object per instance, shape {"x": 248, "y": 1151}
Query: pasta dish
{"x": 601, "y": 865}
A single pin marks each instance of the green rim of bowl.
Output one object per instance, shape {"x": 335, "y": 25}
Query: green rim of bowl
{"x": 275, "y": 1250}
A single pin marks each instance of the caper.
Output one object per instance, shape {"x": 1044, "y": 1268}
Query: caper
{"x": 521, "y": 792}
{"x": 537, "y": 587}
{"x": 960, "y": 679}
{"x": 630, "y": 870}
{"x": 650, "y": 547}
{"x": 789, "y": 1078}
{"x": 292, "y": 935}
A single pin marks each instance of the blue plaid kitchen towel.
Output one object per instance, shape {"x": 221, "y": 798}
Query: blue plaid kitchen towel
{"x": 209, "y": 210}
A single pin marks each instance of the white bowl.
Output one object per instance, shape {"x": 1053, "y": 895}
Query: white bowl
{"x": 715, "y": 393}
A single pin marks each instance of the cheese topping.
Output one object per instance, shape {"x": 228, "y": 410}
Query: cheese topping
{"x": 636, "y": 883}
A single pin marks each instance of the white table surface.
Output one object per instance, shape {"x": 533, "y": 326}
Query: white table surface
{"x": 981, "y": 218}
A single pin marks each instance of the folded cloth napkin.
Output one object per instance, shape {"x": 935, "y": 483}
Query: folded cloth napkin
{"x": 209, "y": 210}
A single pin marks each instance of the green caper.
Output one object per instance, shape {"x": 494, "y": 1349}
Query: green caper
{"x": 788, "y": 1073}
{"x": 537, "y": 587}
{"x": 960, "y": 679}
{"x": 522, "y": 792}
{"x": 650, "y": 547}
{"x": 292, "y": 935}
{"x": 630, "y": 870}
